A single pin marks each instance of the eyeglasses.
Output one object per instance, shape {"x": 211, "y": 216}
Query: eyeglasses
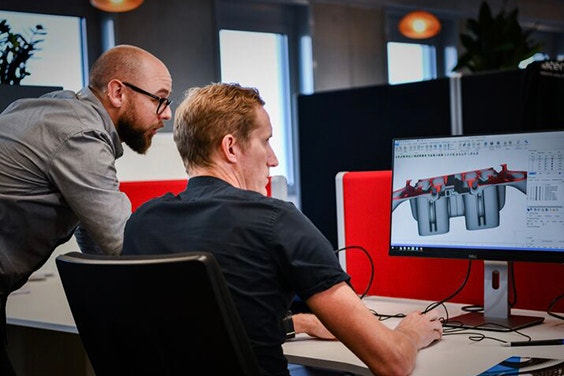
{"x": 163, "y": 102}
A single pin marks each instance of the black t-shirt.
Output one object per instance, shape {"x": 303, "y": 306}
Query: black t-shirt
{"x": 267, "y": 249}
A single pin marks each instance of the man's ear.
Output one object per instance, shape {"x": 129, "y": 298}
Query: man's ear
{"x": 229, "y": 148}
{"x": 115, "y": 93}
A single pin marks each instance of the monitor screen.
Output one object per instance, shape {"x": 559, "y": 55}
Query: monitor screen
{"x": 494, "y": 197}
{"x": 497, "y": 197}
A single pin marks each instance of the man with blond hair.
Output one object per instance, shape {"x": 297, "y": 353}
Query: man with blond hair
{"x": 267, "y": 249}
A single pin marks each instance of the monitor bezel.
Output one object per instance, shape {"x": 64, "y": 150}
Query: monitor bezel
{"x": 470, "y": 253}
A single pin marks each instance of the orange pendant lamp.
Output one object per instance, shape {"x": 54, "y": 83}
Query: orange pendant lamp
{"x": 419, "y": 25}
{"x": 116, "y": 6}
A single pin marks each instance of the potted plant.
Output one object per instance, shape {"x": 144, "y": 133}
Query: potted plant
{"x": 15, "y": 51}
{"x": 495, "y": 43}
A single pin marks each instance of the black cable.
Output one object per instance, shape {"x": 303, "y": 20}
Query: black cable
{"x": 383, "y": 316}
{"x": 436, "y": 304}
{"x": 441, "y": 319}
{"x": 478, "y": 336}
{"x": 371, "y": 278}
{"x": 551, "y": 306}
{"x": 473, "y": 336}
{"x": 473, "y": 308}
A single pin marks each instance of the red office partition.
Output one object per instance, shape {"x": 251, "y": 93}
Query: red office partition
{"x": 140, "y": 192}
{"x": 363, "y": 217}
{"x": 277, "y": 187}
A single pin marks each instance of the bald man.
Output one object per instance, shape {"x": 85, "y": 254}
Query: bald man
{"x": 57, "y": 163}
{"x": 57, "y": 168}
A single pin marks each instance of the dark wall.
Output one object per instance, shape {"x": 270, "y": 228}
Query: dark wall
{"x": 543, "y": 91}
{"x": 183, "y": 34}
{"x": 514, "y": 100}
{"x": 489, "y": 102}
{"x": 352, "y": 130}
{"x": 9, "y": 93}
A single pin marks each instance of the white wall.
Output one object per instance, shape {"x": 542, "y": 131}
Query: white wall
{"x": 161, "y": 162}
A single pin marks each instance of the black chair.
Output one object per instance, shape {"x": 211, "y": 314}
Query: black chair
{"x": 156, "y": 315}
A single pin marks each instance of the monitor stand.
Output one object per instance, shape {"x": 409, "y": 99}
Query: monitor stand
{"x": 497, "y": 313}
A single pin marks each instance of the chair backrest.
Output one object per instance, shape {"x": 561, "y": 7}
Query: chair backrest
{"x": 155, "y": 314}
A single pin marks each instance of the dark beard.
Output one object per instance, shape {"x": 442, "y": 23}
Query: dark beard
{"x": 132, "y": 137}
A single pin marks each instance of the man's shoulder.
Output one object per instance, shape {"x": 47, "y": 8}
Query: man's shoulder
{"x": 59, "y": 94}
{"x": 54, "y": 106}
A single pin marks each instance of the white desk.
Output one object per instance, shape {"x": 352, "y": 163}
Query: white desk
{"x": 453, "y": 355}
{"x": 42, "y": 305}
{"x": 42, "y": 335}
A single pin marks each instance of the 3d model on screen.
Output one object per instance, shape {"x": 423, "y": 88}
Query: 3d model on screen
{"x": 477, "y": 195}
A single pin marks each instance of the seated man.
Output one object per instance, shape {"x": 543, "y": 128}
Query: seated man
{"x": 268, "y": 250}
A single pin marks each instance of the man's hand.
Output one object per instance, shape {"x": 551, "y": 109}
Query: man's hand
{"x": 423, "y": 329}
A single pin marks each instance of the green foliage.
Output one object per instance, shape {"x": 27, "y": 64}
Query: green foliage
{"x": 494, "y": 43}
{"x": 15, "y": 51}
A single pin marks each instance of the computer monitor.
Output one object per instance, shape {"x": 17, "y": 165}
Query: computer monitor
{"x": 496, "y": 197}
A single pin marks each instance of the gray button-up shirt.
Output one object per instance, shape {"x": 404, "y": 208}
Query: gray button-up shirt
{"x": 57, "y": 168}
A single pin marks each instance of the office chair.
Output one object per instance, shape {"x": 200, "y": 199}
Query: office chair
{"x": 155, "y": 315}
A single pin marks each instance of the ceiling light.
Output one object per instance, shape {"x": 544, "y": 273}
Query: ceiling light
{"x": 419, "y": 25}
{"x": 114, "y": 6}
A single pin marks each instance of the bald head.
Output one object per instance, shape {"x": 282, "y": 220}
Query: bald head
{"x": 126, "y": 63}
{"x": 132, "y": 85}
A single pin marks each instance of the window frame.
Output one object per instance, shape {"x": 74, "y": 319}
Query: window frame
{"x": 52, "y": 19}
{"x": 289, "y": 20}
{"x": 91, "y": 21}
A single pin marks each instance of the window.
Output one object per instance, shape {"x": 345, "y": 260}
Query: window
{"x": 266, "y": 46}
{"x": 412, "y": 60}
{"x": 260, "y": 60}
{"x": 409, "y": 62}
{"x": 451, "y": 59}
{"x": 62, "y": 43}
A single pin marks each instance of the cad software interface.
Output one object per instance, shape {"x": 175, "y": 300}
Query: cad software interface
{"x": 479, "y": 192}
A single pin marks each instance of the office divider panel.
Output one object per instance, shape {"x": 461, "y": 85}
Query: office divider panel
{"x": 364, "y": 221}
{"x": 139, "y": 192}
{"x": 514, "y": 100}
{"x": 365, "y": 197}
{"x": 490, "y": 102}
{"x": 10, "y": 93}
{"x": 543, "y": 90}
{"x": 350, "y": 130}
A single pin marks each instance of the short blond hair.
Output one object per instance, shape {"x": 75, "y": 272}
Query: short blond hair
{"x": 209, "y": 113}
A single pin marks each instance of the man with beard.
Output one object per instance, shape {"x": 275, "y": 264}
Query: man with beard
{"x": 57, "y": 163}
{"x": 57, "y": 168}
